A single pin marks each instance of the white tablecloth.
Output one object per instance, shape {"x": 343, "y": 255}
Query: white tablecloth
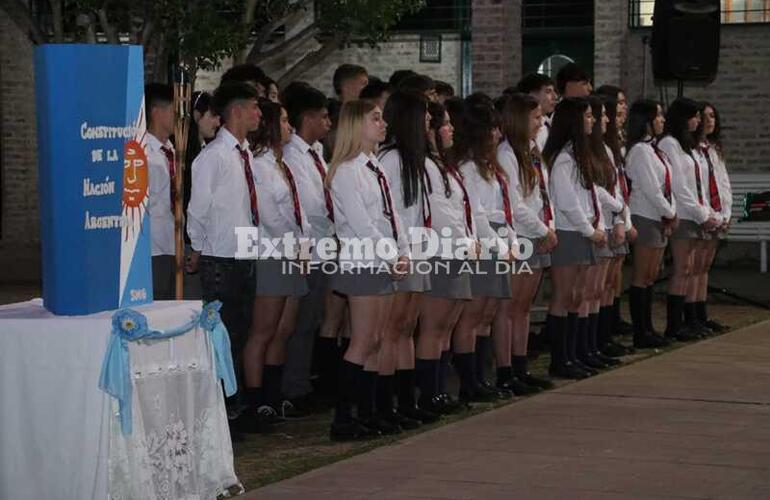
{"x": 60, "y": 435}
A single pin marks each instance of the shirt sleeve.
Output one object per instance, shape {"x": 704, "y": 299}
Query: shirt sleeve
{"x": 204, "y": 173}
{"x": 681, "y": 171}
{"x": 640, "y": 165}
{"x": 522, "y": 214}
{"x": 486, "y": 234}
{"x": 565, "y": 196}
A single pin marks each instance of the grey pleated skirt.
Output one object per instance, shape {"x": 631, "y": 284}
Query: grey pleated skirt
{"x": 417, "y": 281}
{"x": 604, "y": 252}
{"x": 536, "y": 261}
{"x": 446, "y": 280}
{"x": 687, "y": 230}
{"x": 489, "y": 281}
{"x": 649, "y": 232}
{"x": 278, "y": 278}
{"x": 362, "y": 281}
{"x": 573, "y": 249}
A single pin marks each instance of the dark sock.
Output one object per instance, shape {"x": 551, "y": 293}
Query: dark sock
{"x": 385, "y": 394}
{"x": 648, "y": 299}
{"x": 272, "y": 380}
{"x": 443, "y": 372}
{"x": 593, "y": 332}
{"x": 636, "y": 306}
{"x": 555, "y": 327}
{"x": 427, "y": 380}
{"x": 603, "y": 327}
{"x": 674, "y": 307}
{"x": 483, "y": 345}
{"x": 405, "y": 384}
{"x": 328, "y": 360}
{"x": 464, "y": 364}
{"x": 348, "y": 386}
{"x": 367, "y": 386}
{"x": 520, "y": 365}
{"x": 253, "y": 396}
{"x": 615, "y": 316}
{"x": 700, "y": 312}
{"x": 581, "y": 344}
{"x": 689, "y": 314}
{"x": 504, "y": 374}
{"x": 573, "y": 332}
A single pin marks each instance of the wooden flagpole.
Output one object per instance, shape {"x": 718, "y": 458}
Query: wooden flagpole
{"x": 182, "y": 98}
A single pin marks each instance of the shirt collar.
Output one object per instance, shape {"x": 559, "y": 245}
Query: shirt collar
{"x": 230, "y": 140}
{"x": 155, "y": 143}
{"x": 300, "y": 143}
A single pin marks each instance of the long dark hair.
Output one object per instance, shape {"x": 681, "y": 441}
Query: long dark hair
{"x": 268, "y": 135}
{"x": 515, "y": 109}
{"x": 405, "y": 114}
{"x": 641, "y": 116}
{"x": 714, "y": 138}
{"x": 677, "y": 116}
{"x": 604, "y": 173}
{"x": 475, "y": 142}
{"x": 612, "y": 136}
{"x": 567, "y": 127}
{"x": 437, "y": 113}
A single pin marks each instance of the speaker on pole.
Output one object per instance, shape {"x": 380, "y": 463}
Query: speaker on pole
{"x": 685, "y": 40}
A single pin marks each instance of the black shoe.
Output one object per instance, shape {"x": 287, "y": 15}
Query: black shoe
{"x": 607, "y": 360}
{"x": 533, "y": 381}
{"x": 261, "y": 420}
{"x": 613, "y": 349}
{"x": 518, "y": 387}
{"x": 568, "y": 370}
{"x": 419, "y": 414}
{"x": 648, "y": 341}
{"x": 290, "y": 411}
{"x": 502, "y": 393}
{"x": 624, "y": 328}
{"x": 400, "y": 420}
{"x": 684, "y": 334}
{"x": 479, "y": 394}
{"x": 716, "y": 327}
{"x": 384, "y": 427}
{"x": 352, "y": 431}
{"x": 582, "y": 366}
{"x": 443, "y": 404}
{"x": 704, "y": 330}
{"x": 592, "y": 362}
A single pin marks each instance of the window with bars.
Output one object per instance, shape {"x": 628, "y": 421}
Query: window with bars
{"x": 733, "y": 12}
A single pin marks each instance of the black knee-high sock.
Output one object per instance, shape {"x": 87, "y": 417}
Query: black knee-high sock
{"x": 405, "y": 381}
{"x": 385, "y": 393}
{"x": 571, "y": 338}
{"x": 367, "y": 387}
{"x": 504, "y": 374}
{"x": 272, "y": 380}
{"x": 648, "y": 301}
{"x": 603, "y": 328}
{"x": 581, "y": 341}
{"x": 615, "y": 317}
{"x": 701, "y": 314}
{"x": 481, "y": 357}
{"x": 443, "y": 371}
{"x": 674, "y": 308}
{"x": 427, "y": 380}
{"x": 636, "y": 306}
{"x": 464, "y": 364}
{"x": 253, "y": 397}
{"x": 349, "y": 375}
{"x": 555, "y": 327}
{"x": 328, "y": 362}
{"x": 593, "y": 332}
{"x": 690, "y": 314}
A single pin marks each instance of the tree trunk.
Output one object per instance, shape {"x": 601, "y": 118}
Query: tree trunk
{"x": 109, "y": 30}
{"x": 286, "y": 46}
{"x": 58, "y": 21}
{"x": 310, "y": 60}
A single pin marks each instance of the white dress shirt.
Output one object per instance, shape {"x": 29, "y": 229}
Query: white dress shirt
{"x": 572, "y": 203}
{"x": 219, "y": 199}
{"x": 647, "y": 173}
{"x": 542, "y": 133}
{"x": 276, "y": 204}
{"x": 704, "y": 184}
{"x": 311, "y": 189}
{"x": 612, "y": 204}
{"x": 448, "y": 214}
{"x": 413, "y": 215}
{"x": 527, "y": 210}
{"x": 723, "y": 183}
{"x": 359, "y": 210}
{"x": 487, "y": 204}
{"x": 683, "y": 181}
{"x": 625, "y": 217}
{"x": 161, "y": 215}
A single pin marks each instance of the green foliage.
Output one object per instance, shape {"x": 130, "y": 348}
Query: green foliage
{"x": 365, "y": 20}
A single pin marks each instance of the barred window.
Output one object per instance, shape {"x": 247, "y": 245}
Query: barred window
{"x": 733, "y": 12}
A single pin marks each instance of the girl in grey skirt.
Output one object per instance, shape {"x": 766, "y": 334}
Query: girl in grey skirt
{"x": 280, "y": 279}
{"x": 578, "y": 216}
{"x": 653, "y": 213}
{"x": 695, "y": 216}
{"x": 364, "y": 211}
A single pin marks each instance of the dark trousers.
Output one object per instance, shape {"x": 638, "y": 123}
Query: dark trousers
{"x": 231, "y": 282}
{"x": 163, "y": 277}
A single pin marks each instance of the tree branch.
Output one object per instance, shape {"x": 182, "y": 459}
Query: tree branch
{"x": 264, "y": 33}
{"x": 109, "y": 30}
{"x": 58, "y": 20}
{"x": 19, "y": 13}
{"x": 287, "y": 45}
{"x": 311, "y": 59}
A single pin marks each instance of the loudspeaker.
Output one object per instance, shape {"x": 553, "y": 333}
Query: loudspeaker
{"x": 685, "y": 40}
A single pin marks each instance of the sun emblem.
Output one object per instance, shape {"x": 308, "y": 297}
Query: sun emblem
{"x": 135, "y": 184}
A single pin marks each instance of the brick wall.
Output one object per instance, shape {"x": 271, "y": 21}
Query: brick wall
{"x": 20, "y": 233}
{"x": 496, "y": 44}
{"x": 740, "y": 91}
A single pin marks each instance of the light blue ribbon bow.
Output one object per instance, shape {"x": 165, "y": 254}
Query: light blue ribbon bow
{"x": 131, "y": 326}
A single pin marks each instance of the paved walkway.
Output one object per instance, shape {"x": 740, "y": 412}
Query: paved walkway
{"x": 693, "y": 423}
